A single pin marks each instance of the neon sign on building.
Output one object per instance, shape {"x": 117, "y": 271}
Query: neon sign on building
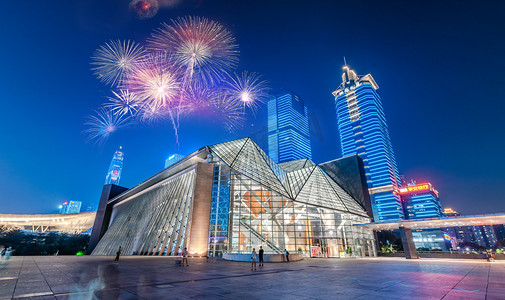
{"x": 423, "y": 187}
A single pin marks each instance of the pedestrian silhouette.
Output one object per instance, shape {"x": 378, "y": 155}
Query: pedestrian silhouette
{"x": 253, "y": 259}
{"x": 185, "y": 257}
{"x": 260, "y": 255}
{"x": 118, "y": 253}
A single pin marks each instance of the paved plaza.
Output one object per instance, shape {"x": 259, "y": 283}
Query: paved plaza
{"x": 95, "y": 277}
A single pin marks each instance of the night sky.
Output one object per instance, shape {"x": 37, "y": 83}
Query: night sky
{"x": 439, "y": 65}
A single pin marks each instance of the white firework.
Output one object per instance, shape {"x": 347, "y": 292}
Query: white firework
{"x": 123, "y": 103}
{"x": 103, "y": 124}
{"x": 248, "y": 88}
{"x": 115, "y": 60}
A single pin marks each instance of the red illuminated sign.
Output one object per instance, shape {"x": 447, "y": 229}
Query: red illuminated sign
{"x": 415, "y": 188}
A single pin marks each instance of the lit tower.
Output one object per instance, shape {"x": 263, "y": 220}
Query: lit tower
{"x": 288, "y": 127}
{"x": 115, "y": 168}
{"x": 363, "y": 131}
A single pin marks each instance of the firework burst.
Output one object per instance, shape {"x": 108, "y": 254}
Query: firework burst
{"x": 103, "y": 124}
{"x": 116, "y": 59}
{"x": 228, "y": 111}
{"x": 144, "y": 9}
{"x": 247, "y": 88}
{"x": 156, "y": 82}
{"x": 123, "y": 103}
{"x": 204, "y": 48}
{"x": 184, "y": 71}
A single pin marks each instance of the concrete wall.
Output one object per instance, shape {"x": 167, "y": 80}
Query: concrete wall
{"x": 266, "y": 257}
{"x": 200, "y": 215}
{"x": 103, "y": 214}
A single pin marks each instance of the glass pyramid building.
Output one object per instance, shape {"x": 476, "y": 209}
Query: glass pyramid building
{"x": 230, "y": 198}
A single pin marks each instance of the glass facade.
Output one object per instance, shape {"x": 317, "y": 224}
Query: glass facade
{"x": 363, "y": 131}
{"x": 252, "y": 201}
{"x": 293, "y": 206}
{"x": 288, "y": 128}
{"x": 115, "y": 168}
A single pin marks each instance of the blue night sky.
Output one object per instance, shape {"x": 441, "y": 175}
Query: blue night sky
{"x": 439, "y": 64}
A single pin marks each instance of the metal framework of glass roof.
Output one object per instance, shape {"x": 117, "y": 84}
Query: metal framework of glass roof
{"x": 301, "y": 180}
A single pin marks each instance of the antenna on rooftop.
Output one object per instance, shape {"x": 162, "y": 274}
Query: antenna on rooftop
{"x": 345, "y": 63}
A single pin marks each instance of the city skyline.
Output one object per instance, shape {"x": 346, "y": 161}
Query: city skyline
{"x": 427, "y": 86}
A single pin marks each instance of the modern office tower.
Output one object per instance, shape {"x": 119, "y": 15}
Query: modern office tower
{"x": 72, "y": 207}
{"x": 363, "y": 131}
{"x": 288, "y": 127}
{"x": 64, "y": 207}
{"x": 420, "y": 201}
{"x": 172, "y": 159}
{"x": 499, "y": 231}
{"x": 484, "y": 236}
{"x": 115, "y": 168}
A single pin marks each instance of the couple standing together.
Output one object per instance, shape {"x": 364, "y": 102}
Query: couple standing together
{"x": 253, "y": 258}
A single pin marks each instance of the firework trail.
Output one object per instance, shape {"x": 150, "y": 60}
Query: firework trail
{"x": 247, "y": 88}
{"x": 144, "y": 9}
{"x": 228, "y": 111}
{"x": 102, "y": 125}
{"x": 116, "y": 59}
{"x": 203, "y": 47}
{"x": 123, "y": 103}
{"x": 156, "y": 82}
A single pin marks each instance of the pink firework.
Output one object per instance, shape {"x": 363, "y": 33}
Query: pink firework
{"x": 205, "y": 49}
{"x": 144, "y": 9}
{"x": 156, "y": 82}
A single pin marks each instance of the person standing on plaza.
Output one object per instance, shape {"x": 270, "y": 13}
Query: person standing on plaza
{"x": 8, "y": 253}
{"x": 260, "y": 255}
{"x": 287, "y": 255}
{"x": 118, "y": 253}
{"x": 253, "y": 259}
{"x": 2, "y": 252}
{"x": 185, "y": 257}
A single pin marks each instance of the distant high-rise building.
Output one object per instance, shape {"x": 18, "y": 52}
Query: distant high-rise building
{"x": 363, "y": 131}
{"x": 288, "y": 127}
{"x": 420, "y": 201}
{"x": 172, "y": 159}
{"x": 63, "y": 207}
{"x": 115, "y": 168}
{"x": 70, "y": 207}
{"x": 449, "y": 212}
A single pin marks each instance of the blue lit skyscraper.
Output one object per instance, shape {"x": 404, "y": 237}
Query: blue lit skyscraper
{"x": 363, "y": 131}
{"x": 288, "y": 127}
{"x": 115, "y": 168}
{"x": 70, "y": 207}
{"x": 172, "y": 159}
{"x": 420, "y": 201}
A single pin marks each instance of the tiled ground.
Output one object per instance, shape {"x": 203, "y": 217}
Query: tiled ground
{"x": 91, "y": 277}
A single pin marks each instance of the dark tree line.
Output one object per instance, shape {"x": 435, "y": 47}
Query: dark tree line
{"x": 25, "y": 243}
